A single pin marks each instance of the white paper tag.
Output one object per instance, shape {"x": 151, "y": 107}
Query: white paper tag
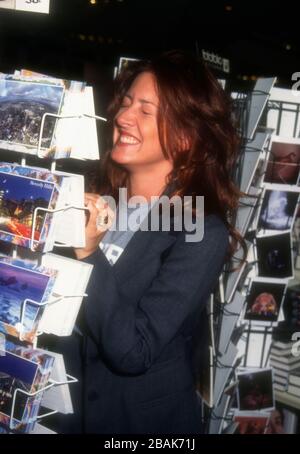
{"x": 9, "y": 4}
{"x": 34, "y": 6}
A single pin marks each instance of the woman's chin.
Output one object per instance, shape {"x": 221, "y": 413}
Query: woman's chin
{"x": 121, "y": 157}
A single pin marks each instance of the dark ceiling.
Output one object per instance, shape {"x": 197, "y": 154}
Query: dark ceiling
{"x": 79, "y": 39}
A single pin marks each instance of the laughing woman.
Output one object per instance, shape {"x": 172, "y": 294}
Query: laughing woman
{"x": 135, "y": 342}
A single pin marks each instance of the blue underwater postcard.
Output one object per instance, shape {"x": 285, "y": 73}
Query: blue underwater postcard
{"x": 19, "y": 282}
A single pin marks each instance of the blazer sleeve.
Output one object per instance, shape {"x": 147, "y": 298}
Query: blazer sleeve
{"x": 131, "y": 338}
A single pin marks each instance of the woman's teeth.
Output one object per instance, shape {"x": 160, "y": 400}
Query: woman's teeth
{"x": 128, "y": 139}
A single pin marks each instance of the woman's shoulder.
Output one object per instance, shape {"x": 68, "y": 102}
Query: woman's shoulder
{"x": 205, "y": 248}
{"x": 207, "y": 227}
{"x": 210, "y": 241}
{"x": 214, "y": 221}
{"x": 216, "y": 230}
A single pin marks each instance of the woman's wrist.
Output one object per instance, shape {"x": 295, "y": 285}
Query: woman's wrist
{"x": 82, "y": 253}
{"x": 90, "y": 247}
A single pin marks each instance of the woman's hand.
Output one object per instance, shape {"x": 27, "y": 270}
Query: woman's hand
{"x": 99, "y": 220}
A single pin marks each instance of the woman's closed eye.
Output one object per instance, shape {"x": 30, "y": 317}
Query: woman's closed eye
{"x": 145, "y": 112}
{"x": 148, "y": 109}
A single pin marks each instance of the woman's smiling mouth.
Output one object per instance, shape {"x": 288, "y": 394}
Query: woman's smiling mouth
{"x": 128, "y": 139}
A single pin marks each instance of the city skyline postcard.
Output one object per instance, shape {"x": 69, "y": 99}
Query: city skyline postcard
{"x": 16, "y": 285}
{"x": 22, "y": 107}
{"x": 19, "y": 197}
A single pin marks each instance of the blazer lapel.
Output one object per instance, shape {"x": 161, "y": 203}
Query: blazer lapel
{"x": 143, "y": 241}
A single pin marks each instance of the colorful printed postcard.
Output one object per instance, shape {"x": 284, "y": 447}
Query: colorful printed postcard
{"x": 284, "y": 161}
{"x": 22, "y": 107}
{"x": 255, "y": 389}
{"x": 28, "y": 370}
{"x": 251, "y": 424}
{"x": 17, "y": 283}
{"x": 19, "y": 197}
{"x": 264, "y": 300}
{"x": 278, "y": 208}
{"x": 22, "y": 190}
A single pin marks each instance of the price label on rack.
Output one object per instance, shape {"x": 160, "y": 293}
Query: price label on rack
{"x": 34, "y": 6}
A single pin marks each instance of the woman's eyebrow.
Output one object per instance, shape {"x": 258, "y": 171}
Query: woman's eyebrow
{"x": 141, "y": 100}
{"x": 145, "y": 101}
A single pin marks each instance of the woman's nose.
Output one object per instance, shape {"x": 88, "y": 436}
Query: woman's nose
{"x": 125, "y": 117}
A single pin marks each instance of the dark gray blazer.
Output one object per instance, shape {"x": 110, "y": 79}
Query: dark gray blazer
{"x": 134, "y": 360}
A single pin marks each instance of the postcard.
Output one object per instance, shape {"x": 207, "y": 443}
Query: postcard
{"x": 15, "y": 373}
{"x": 255, "y": 389}
{"x": 38, "y": 173}
{"x": 25, "y": 369}
{"x": 279, "y": 207}
{"x": 42, "y": 188}
{"x": 18, "y": 283}
{"x": 45, "y": 364}
{"x": 282, "y": 420}
{"x": 264, "y": 300}
{"x": 274, "y": 256}
{"x": 22, "y": 107}
{"x": 124, "y": 62}
{"x": 70, "y": 281}
{"x": 71, "y": 131}
{"x": 38, "y": 77}
{"x": 24, "y": 189}
{"x": 251, "y": 423}
{"x": 284, "y": 161}
{"x": 19, "y": 197}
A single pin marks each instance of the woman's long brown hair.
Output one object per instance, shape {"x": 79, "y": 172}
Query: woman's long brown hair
{"x": 196, "y": 131}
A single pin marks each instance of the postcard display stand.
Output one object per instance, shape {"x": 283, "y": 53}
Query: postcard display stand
{"x": 40, "y": 373}
{"x": 250, "y": 300}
